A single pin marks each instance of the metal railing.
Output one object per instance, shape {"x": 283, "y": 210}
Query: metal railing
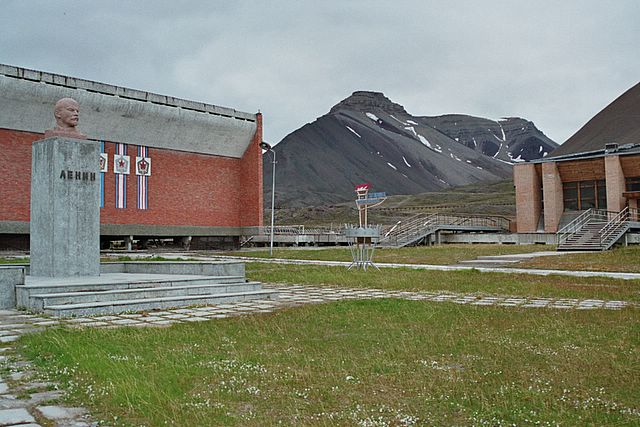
{"x": 614, "y": 226}
{"x": 424, "y": 224}
{"x": 615, "y": 222}
{"x": 579, "y": 222}
{"x": 295, "y": 230}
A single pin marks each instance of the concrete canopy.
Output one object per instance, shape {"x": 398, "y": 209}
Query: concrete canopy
{"x": 123, "y": 115}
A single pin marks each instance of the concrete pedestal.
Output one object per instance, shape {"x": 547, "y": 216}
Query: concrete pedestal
{"x": 65, "y": 208}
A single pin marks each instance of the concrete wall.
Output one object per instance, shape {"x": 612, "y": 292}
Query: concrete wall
{"x": 528, "y": 197}
{"x": 515, "y": 239}
{"x": 228, "y": 268}
{"x": 10, "y": 276}
{"x": 123, "y": 115}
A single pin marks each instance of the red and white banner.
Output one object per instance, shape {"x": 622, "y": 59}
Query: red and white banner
{"x": 143, "y": 164}
{"x": 121, "y": 169}
{"x": 143, "y": 171}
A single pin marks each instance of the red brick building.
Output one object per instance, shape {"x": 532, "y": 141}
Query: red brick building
{"x": 203, "y": 176}
{"x": 598, "y": 167}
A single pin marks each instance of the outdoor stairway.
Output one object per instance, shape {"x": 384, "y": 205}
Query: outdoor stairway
{"x": 112, "y": 293}
{"x": 594, "y": 230}
{"x": 408, "y": 232}
{"x": 413, "y": 230}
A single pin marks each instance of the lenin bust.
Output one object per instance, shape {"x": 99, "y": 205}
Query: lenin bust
{"x": 67, "y": 113}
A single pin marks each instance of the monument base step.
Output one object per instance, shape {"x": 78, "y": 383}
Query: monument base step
{"x": 112, "y": 282}
{"x": 39, "y": 301}
{"x": 112, "y": 293}
{"x": 147, "y": 304}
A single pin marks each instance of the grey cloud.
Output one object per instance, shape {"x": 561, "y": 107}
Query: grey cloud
{"x": 556, "y": 63}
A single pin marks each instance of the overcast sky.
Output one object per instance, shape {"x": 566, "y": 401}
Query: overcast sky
{"x": 555, "y": 62}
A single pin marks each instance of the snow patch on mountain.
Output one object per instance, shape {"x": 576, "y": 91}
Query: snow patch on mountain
{"x": 424, "y": 141}
{"x": 356, "y": 133}
{"x": 411, "y": 129}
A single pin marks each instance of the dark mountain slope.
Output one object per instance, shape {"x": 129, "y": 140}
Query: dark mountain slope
{"x": 512, "y": 139}
{"x": 368, "y": 138}
{"x": 618, "y": 122}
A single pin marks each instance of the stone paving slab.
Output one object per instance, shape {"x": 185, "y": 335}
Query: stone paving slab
{"x": 10, "y": 417}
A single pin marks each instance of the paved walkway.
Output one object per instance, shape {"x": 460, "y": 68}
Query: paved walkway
{"x": 26, "y": 400}
{"x": 539, "y": 272}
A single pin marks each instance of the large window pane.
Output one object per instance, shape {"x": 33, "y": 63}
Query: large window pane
{"x": 570, "y": 195}
{"x": 633, "y": 183}
{"x": 587, "y": 195}
{"x": 601, "y": 188}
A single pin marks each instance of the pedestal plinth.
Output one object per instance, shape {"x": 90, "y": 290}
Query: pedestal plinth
{"x": 65, "y": 208}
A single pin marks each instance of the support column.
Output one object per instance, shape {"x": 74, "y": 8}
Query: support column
{"x": 528, "y": 197}
{"x": 128, "y": 242}
{"x": 552, "y": 193}
{"x": 615, "y": 183}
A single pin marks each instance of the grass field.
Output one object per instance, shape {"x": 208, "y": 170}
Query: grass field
{"x": 364, "y": 363}
{"x": 468, "y": 281}
{"x": 622, "y": 259}
{"x": 618, "y": 259}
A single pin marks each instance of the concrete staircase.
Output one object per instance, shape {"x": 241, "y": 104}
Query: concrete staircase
{"x": 594, "y": 230}
{"x": 144, "y": 290}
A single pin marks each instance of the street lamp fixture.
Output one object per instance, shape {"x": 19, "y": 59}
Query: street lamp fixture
{"x": 267, "y": 147}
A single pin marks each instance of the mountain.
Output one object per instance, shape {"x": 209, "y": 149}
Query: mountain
{"x": 618, "y": 122}
{"x": 369, "y": 138}
{"x": 511, "y": 138}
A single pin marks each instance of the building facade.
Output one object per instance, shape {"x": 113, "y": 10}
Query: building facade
{"x": 170, "y": 167}
{"x": 598, "y": 167}
{"x": 550, "y": 192}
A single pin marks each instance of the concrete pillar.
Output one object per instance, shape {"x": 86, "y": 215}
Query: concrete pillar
{"x": 65, "y": 208}
{"x": 128, "y": 242}
{"x": 186, "y": 242}
{"x": 552, "y": 193}
{"x": 528, "y": 197}
{"x": 615, "y": 183}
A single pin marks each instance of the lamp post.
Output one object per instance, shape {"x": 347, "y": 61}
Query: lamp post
{"x": 265, "y": 146}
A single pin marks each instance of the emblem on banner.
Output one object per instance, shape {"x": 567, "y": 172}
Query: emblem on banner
{"x": 104, "y": 165}
{"x": 121, "y": 164}
{"x": 143, "y": 166}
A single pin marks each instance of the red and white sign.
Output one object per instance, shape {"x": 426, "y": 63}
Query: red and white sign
{"x": 121, "y": 164}
{"x": 104, "y": 162}
{"x": 143, "y": 166}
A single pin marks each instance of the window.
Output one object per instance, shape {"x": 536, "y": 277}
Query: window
{"x": 633, "y": 183}
{"x": 601, "y": 188}
{"x": 583, "y": 195}
{"x": 570, "y": 192}
{"x": 587, "y": 195}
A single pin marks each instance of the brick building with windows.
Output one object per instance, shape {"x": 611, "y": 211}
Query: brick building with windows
{"x": 598, "y": 167}
{"x": 193, "y": 170}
